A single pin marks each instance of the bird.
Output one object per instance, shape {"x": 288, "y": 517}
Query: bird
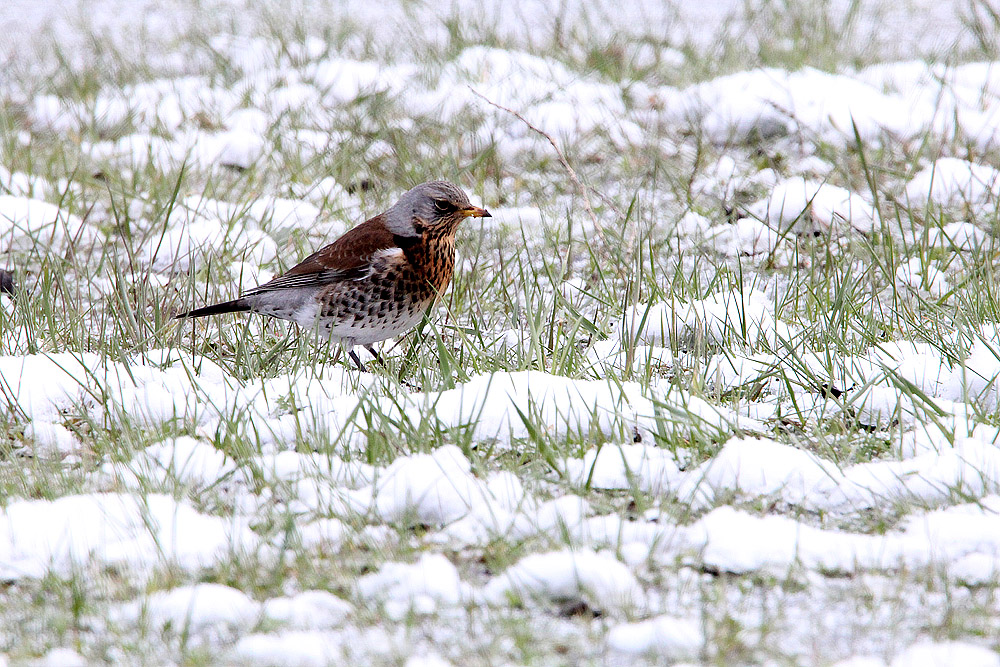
{"x": 8, "y": 285}
{"x": 374, "y": 282}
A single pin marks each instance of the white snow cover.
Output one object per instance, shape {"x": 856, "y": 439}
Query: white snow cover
{"x": 915, "y": 274}
{"x": 118, "y": 530}
{"x": 839, "y": 108}
{"x": 59, "y": 657}
{"x": 497, "y": 405}
{"x": 959, "y": 235}
{"x": 27, "y": 224}
{"x": 648, "y": 467}
{"x": 596, "y": 578}
{"x": 194, "y": 609}
{"x": 930, "y": 653}
{"x": 198, "y": 230}
{"x": 436, "y": 488}
{"x": 951, "y": 182}
{"x": 423, "y": 585}
{"x": 183, "y": 461}
{"x": 734, "y": 541}
{"x": 756, "y": 467}
{"x": 299, "y": 648}
{"x": 494, "y": 406}
{"x": 667, "y": 636}
{"x": 804, "y": 206}
{"x": 20, "y": 184}
{"x": 730, "y": 316}
{"x": 873, "y": 379}
{"x": 552, "y": 98}
{"x": 666, "y": 443}
{"x": 309, "y": 610}
{"x": 770, "y": 102}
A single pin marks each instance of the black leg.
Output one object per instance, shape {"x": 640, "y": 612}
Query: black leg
{"x": 354, "y": 357}
{"x": 374, "y": 353}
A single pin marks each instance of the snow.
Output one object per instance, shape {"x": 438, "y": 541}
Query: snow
{"x": 805, "y": 206}
{"x": 432, "y": 488}
{"x": 528, "y": 218}
{"x": 20, "y": 184}
{"x": 59, "y": 657}
{"x": 893, "y": 102}
{"x": 753, "y": 468}
{"x": 695, "y": 428}
{"x": 327, "y": 534}
{"x": 200, "y": 229}
{"x": 552, "y": 98}
{"x": 916, "y": 275}
{"x": 861, "y": 661}
{"x": 420, "y": 586}
{"x": 50, "y": 440}
{"x": 110, "y": 529}
{"x": 769, "y": 102}
{"x": 342, "y": 80}
{"x": 960, "y": 235}
{"x": 507, "y": 406}
{"x": 665, "y": 636}
{"x": 278, "y": 214}
{"x": 426, "y": 661}
{"x": 194, "y": 609}
{"x": 729, "y": 540}
{"x": 746, "y": 317}
{"x": 29, "y": 224}
{"x": 597, "y": 579}
{"x": 309, "y": 610}
{"x": 288, "y": 649}
{"x": 950, "y": 182}
{"x": 650, "y": 468}
{"x": 235, "y": 148}
{"x": 183, "y": 460}
{"x": 931, "y": 654}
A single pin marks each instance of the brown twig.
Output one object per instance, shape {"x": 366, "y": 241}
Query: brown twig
{"x": 562, "y": 159}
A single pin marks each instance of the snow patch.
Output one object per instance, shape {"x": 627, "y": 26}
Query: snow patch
{"x": 113, "y": 530}
{"x": 598, "y": 580}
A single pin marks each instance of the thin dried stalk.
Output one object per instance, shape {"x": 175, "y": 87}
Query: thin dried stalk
{"x": 562, "y": 159}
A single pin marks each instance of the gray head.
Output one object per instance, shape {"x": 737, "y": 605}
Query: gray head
{"x": 429, "y": 205}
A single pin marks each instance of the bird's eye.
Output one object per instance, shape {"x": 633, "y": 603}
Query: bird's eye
{"x": 442, "y": 206}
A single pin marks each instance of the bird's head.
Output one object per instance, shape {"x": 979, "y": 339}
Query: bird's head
{"x": 437, "y": 206}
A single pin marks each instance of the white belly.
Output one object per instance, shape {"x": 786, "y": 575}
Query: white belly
{"x": 366, "y": 333}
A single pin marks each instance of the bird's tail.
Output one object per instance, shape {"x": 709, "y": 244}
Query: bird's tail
{"x": 234, "y": 306}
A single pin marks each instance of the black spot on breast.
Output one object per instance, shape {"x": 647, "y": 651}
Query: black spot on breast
{"x": 405, "y": 242}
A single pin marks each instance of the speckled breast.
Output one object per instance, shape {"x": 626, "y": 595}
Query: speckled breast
{"x": 391, "y": 299}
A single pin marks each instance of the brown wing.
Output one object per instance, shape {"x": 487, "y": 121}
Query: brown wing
{"x": 347, "y": 258}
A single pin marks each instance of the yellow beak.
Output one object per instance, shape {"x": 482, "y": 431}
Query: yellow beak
{"x": 476, "y": 212}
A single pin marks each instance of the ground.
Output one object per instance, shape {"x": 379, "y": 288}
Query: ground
{"x": 717, "y": 383}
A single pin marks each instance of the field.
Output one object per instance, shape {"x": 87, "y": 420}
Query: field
{"x": 718, "y": 383}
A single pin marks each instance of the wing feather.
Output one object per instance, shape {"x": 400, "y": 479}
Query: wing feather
{"x": 348, "y": 258}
